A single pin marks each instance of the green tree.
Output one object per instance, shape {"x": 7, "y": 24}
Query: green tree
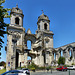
{"x": 61, "y": 60}
{"x": 3, "y": 25}
{"x": 2, "y": 63}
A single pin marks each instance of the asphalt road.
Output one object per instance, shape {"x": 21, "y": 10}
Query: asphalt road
{"x": 72, "y": 72}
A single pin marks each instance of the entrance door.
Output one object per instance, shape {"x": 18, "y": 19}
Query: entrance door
{"x": 17, "y": 59}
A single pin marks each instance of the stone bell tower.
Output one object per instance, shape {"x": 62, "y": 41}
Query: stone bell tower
{"x": 15, "y": 39}
{"x": 16, "y": 17}
{"x": 45, "y": 37}
{"x": 44, "y": 30}
{"x": 43, "y": 23}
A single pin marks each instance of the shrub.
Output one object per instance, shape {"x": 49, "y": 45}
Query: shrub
{"x": 66, "y": 65}
{"x": 61, "y": 60}
{"x": 33, "y": 69}
{"x": 49, "y": 67}
{"x": 73, "y": 63}
{"x": 41, "y": 68}
{"x": 33, "y": 66}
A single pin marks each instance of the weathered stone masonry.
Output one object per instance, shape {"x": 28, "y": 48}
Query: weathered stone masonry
{"x": 42, "y": 51}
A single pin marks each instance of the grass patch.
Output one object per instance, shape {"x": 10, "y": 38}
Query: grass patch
{"x": 2, "y": 71}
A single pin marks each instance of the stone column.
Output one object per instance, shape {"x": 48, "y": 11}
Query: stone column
{"x": 10, "y": 53}
{"x": 19, "y": 59}
{"x": 72, "y": 53}
{"x": 57, "y": 57}
{"x": 41, "y": 59}
{"x": 25, "y": 59}
{"x": 53, "y": 56}
{"x": 50, "y": 58}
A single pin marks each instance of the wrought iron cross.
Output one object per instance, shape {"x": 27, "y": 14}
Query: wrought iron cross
{"x": 42, "y": 11}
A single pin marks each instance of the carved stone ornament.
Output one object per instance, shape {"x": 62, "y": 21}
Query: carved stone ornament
{"x": 47, "y": 39}
{"x": 16, "y": 36}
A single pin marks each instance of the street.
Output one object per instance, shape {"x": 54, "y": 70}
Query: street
{"x": 54, "y": 73}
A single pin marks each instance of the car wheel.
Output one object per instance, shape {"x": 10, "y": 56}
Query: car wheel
{"x": 66, "y": 70}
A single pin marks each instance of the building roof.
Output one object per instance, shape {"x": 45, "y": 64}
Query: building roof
{"x": 65, "y": 46}
{"x": 43, "y": 17}
{"x": 16, "y": 10}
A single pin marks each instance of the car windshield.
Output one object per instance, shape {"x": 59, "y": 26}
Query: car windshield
{"x": 71, "y": 66}
{"x": 25, "y": 69}
{"x": 60, "y": 67}
{"x": 64, "y": 67}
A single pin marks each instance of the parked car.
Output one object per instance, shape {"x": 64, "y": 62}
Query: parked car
{"x": 61, "y": 68}
{"x": 14, "y": 72}
{"x": 26, "y": 70}
{"x": 71, "y": 67}
{"x": 1, "y": 67}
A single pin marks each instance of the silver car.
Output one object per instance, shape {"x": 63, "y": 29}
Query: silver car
{"x": 71, "y": 67}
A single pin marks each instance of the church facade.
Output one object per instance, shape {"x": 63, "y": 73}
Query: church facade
{"x": 42, "y": 52}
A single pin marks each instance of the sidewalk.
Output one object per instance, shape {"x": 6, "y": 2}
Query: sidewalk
{"x": 44, "y": 70}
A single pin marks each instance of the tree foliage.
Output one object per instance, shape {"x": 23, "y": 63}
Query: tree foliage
{"x": 2, "y": 63}
{"x": 61, "y": 60}
{"x": 3, "y": 25}
{"x": 32, "y": 65}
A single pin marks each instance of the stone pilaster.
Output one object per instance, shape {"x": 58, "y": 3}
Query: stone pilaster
{"x": 25, "y": 59}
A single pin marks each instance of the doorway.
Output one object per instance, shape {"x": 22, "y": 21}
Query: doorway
{"x": 17, "y": 59}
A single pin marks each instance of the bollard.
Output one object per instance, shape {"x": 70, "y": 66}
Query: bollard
{"x": 69, "y": 72}
{"x": 51, "y": 70}
{"x": 47, "y": 70}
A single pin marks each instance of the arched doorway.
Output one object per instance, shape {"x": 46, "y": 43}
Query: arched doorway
{"x": 29, "y": 41}
{"x": 17, "y": 59}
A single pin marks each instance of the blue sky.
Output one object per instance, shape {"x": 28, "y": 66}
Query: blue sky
{"x": 60, "y": 12}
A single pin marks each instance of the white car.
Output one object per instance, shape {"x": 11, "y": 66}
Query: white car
{"x": 26, "y": 70}
{"x": 71, "y": 67}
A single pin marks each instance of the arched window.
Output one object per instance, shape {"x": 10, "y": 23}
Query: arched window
{"x": 45, "y": 26}
{"x": 29, "y": 47}
{"x": 70, "y": 53}
{"x": 16, "y": 20}
{"x": 61, "y": 53}
{"x": 54, "y": 56}
{"x": 29, "y": 44}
